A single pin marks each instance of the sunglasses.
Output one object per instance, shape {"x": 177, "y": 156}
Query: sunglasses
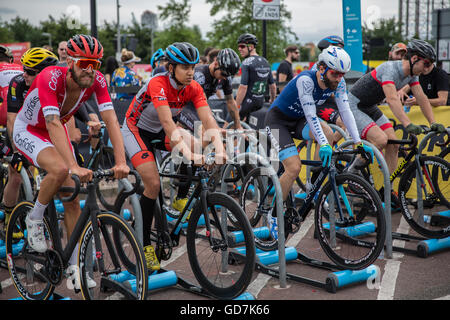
{"x": 242, "y": 46}
{"x": 426, "y": 63}
{"x": 337, "y": 74}
{"x": 85, "y": 63}
{"x": 30, "y": 72}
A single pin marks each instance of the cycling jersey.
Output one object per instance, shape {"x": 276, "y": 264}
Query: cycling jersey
{"x": 17, "y": 92}
{"x": 48, "y": 92}
{"x": 367, "y": 92}
{"x": 142, "y": 116}
{"x": 209, "y": 83}
{"x": 7, "y": 72}
{"x": 256, "y": 74}
{"x": 46, "y": 97}
{"x": 300, "y": 97}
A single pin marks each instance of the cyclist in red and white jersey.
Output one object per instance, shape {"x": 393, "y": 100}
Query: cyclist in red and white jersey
{"x": 40, "y": 133}
{"x": 152, "y": 116}
{"x": 8, "y": 70}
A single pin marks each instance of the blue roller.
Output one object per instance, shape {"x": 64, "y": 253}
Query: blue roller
{"x": 301, "y": 196}
{"x": 355, "y": 231}
{"x": 245, "y": 296}
{"x": 260, "y": 233}
{"x": 271, "y": 257}
{"x": 122, "y": 276}
{"x": 2, "y": 215}
{"x": 426, "y": 247}
{"x": 126, "y": 214}
{"x": 344, "y": 278}
{"x": 60, "y": 207}
{"x": 17, "y": 247}
{"x": 157, "y": 281}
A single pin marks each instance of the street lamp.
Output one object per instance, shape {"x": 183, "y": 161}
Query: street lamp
{"x": 49, "y": 35}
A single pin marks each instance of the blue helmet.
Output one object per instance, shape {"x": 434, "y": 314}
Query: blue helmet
{"x": 182, "y": 53}
{"x": 330, "y": 41}
{"x": 158, "y": 55}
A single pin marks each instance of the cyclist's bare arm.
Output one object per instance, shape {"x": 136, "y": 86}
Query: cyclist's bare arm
{"x": 121, "y": 169}
{"x": 11, "y": 118}
{"x": 395, "y": 104}
{"x": 212, "y": 128}
{"x": 423, "y": 102}
{"x": 272, "y": 92}
{"x": 233, "y": 110}
{"x": 242, "y": 91}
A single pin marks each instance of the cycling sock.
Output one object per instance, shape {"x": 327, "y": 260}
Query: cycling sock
{"x": 37, "y": 214}
{"x": 184, "y": 190}
{"x": 147, "y": 208}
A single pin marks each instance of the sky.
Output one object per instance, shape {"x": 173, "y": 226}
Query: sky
{"x": 311, "y": 19}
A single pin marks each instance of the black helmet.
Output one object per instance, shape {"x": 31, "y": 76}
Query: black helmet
{"x": 248, "y": 38}
{"x": 228, "y": 61}
{"x": 330, "y": 41}
{"x": 422, "y": 49}
{"x": 182, "y": 53}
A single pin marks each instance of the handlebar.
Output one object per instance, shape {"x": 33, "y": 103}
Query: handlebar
{"x": 97, "y": 175}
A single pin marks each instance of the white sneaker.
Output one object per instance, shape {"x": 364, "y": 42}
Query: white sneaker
{"x": 73, "y": 275}
{"x": 35, "y": 234}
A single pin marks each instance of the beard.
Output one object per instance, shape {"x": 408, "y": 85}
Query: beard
{"x": 330, "y": 84}
{"x": 82, "y": 83}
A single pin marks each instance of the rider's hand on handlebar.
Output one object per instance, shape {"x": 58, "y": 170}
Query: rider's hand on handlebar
{"x": 84, "y": 174}
{"x": 439, "y": 128}
{"x": 121, "y": 171}
{"x": 414, "y": 129}
{"x": 365, "y": 151}
{"x": 94, "y": 127}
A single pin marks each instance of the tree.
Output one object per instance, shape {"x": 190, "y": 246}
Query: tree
{"x": 62, "y": 29}
{"x": 386, "y": 29}
{"x": 238, "y": 19}
{"x": 21, "y": 30}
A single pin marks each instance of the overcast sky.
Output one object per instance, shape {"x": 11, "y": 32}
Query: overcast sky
{"x": 311, "y": 19}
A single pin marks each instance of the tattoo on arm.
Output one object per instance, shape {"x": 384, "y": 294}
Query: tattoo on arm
{"x": 51, "y": 118}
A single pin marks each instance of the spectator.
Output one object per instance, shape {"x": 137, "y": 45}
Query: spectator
{"x": 125, "y": 76}
{"x": 212, "y": 55}
{"x": 48, "y": 47}
{"x": 203, "y": 60}
{"x": 398, "y": 51}
{"x": 284, "y": 71}
{"x": 110, "y": 65}
{"x": 62, "y": 54}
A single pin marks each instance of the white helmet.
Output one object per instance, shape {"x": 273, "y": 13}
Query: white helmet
{"x": 336, "y": 58}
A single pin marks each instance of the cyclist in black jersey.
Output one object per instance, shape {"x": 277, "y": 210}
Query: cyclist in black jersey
{"x": 256, "y": 76}
{"x": 210, "y": 77}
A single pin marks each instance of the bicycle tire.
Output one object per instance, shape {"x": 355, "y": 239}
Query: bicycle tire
{"x": 111, "y": 223}
{"x": 205, "y": 261}
{"x": 32, "y": 286}
{"x": 359, "y": 241}
{"x": 436, "y": 201}
{"x": 104, "y": 160}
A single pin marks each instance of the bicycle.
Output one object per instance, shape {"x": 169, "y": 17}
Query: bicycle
{"x": 99, "y": 234}
{"x": 433, "y": 183}
{"x": 349, "y": 237}
{"x": 208, "y": 246}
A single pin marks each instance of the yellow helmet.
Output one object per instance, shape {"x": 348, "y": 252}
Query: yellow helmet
{"x": 38, "y": 58}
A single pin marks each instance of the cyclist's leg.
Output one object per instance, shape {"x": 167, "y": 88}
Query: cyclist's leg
{"x": 11, "y": 191}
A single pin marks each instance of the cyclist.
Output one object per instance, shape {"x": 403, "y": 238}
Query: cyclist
{"x": 8, "y": 70}
{"x": 158, "y": 62}
{"x": 293, "y": 115}
{"x": 33, "y": 61}
{"x": 41, "y": 136}
{"x": 218, "y": 73}
{"x": 383, "y": 83}
{"x": 256, "y": 76}
{"x": 151, "y": 117}
{"x": 331, "y": 41}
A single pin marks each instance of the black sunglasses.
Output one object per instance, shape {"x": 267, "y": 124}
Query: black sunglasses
{"x": 30, "y": 72}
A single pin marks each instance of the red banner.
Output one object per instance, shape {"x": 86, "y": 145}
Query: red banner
{"x": 18, "y": 49}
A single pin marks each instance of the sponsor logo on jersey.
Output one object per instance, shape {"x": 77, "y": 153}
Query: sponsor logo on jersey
{"x": 54, "y": 79}
{"x": 30, "y": 106}
{"x": 24, "y": 143}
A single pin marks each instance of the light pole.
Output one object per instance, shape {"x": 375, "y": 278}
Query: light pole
{"x": 119, "y": 49}
{"x": 49, "y": 35}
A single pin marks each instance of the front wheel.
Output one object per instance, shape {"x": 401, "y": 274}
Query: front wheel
{"x": 222, "y": 262}
{"x": 107, "y": 273}
{"x": 353, "y": 237}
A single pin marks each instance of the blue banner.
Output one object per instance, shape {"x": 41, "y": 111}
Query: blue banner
{"x": 353, "y": 33}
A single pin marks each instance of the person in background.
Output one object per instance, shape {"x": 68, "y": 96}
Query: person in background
{"x": 48, "y": 47}
{"x": 110, "y": 65}
{"x": 158, "y": 62}
{"x": 284, "y": 71}
{"x": 125, "y": 76}
{"x": 62, "y": 54}
{"x": 398, "y": 51}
